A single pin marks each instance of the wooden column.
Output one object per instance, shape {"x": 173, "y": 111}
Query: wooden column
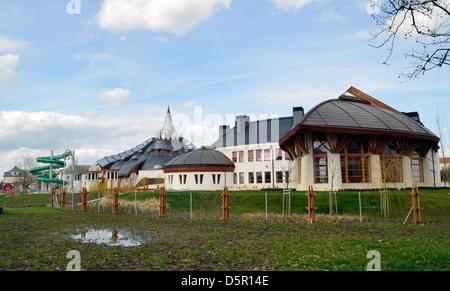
{"x": 162, "y": 202}
{"x": 226, "y": 204}
{"x": 311, "y": 208}
{"x": 84, "y": 200}
{"x": 416, "y": 205}
{"x": 53, "y": 196}
{"x": 115, "y": 203}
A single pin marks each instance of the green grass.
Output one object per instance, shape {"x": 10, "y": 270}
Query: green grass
{"x": 35, "y": 237}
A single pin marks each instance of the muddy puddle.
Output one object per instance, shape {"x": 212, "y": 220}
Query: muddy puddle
{"x": 114, "y": 237}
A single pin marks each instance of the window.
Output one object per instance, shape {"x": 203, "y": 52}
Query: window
{"x": 241, "y": 178}
{"x": 241, "y": 157}
{"x": 267, "y": 155}
{"x": 268, "y": 177}
{"x": 417, "y": 167}
{"x": 279, "y": 177}
{"x": 258, "y": 155}
{"x": 251, "y": 157}
{"x": 279, "y": 154}
{"x": 234, "y": 157}
{"x": 218, "y": 178}
{"x": 197, "y": 181}
{"x": 355, "y": 163}
{"x": 182, "y": 179}
{"x": 251, "y": 178}
{"x": 320, "y": 163}
{"x": 234, "y": 178}
{"x": 259, "y": 177}
{"x": 392, "y": 165}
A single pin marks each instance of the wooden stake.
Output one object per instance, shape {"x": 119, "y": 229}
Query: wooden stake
{"x": 311, "y": 208}
{"x": 416, "y": 205}
{"x": 162, "y": 202}
{"x": 226, "y": 204}
{"x": 84, "y": 200}
{"x": 115, "y": 203}
{"x": 63, "y": 198}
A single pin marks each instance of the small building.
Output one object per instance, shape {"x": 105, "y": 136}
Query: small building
{"x": 203, "y": 169}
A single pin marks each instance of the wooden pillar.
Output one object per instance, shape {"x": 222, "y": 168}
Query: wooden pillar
{"x": 53, "y": 194}
{"x": 115, "y": 203}
{"x": 416, "y": 205}
{"x": 84, "y": 200}
{"x": 226, "y": 204}
{"x": 63, "y": 198}
{"x": 162, "y": 202}
{"x": 311, "y": 208}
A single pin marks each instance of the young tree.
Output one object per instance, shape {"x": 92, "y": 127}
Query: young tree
{"x": 425, "y": 22}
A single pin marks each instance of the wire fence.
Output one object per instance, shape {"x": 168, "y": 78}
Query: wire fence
{"x": 368, "y": 205}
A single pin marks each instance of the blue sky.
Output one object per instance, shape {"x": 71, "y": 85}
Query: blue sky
{"x": 98, "y": 77}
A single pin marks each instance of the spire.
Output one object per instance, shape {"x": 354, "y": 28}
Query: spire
{"x": 168, "y": 130}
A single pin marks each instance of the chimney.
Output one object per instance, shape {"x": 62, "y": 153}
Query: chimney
{"x": 241, "y": 121}
{"x": 223, "y": 129}
{"x": 298, "y": 113}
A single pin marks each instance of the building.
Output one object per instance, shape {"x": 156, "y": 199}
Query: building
{"x": 20, "y": 179}
{"x": 142, "y": 165}
{"x": 203, "y": 169}
{"x": 253, "y": 147}
{"x": 358, "y": 142}
{"x": 444, "y": 164}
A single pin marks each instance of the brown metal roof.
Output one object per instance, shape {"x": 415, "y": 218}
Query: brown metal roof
{"x": 358, "y": 114}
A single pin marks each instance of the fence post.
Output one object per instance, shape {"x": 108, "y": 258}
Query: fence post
{"x": 115, "y": 203}
{"x": 84, "y": 200}
{"x": 311, "y": 208}
{"x": 162, "y": 202}
{"x": 226, "y": 204}
{"x": 63, "y": 198}
{"x": 416, "y": 205}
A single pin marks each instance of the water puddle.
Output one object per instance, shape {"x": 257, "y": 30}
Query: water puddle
{"x": 115, "y": 237}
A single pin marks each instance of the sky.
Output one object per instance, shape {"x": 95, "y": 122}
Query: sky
{"x": 98, "y": 76}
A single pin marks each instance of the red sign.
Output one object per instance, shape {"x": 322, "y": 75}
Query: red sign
{"x": 7, "y": 187}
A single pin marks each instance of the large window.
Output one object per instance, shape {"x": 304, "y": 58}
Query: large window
{"x": 320, "y": 162}
{"x": 391, "y": 165}
{"x": 355, "y": 163}
{"x": 417, "y": 167}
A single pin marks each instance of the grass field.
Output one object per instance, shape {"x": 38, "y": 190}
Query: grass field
{"x": 36, "y": 237}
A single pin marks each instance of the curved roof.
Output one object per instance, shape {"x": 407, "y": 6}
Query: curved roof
{"x": 351, "y": 114}
{"x": 201, "y": 158}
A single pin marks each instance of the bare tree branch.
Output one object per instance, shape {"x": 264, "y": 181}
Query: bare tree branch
{"x": 427, "y": 22}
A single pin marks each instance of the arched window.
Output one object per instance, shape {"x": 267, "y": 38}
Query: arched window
{"x": 355, "y": 163}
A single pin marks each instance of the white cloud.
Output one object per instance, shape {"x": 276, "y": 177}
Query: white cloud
{"x": 8, "y": 64}
{"x": 292, "y": 4}
{"x": 116, "y": 97}
{"x": 171, "y": 16}
{"x": 92, "y": 136}
{"x": 8, "y": 44}
{"x": 188, "y": 104}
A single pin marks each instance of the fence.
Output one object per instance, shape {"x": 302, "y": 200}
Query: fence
{"x": 389, "y": 205}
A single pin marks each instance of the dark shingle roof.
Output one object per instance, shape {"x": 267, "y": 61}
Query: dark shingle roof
{"x": 201, "y": 158}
